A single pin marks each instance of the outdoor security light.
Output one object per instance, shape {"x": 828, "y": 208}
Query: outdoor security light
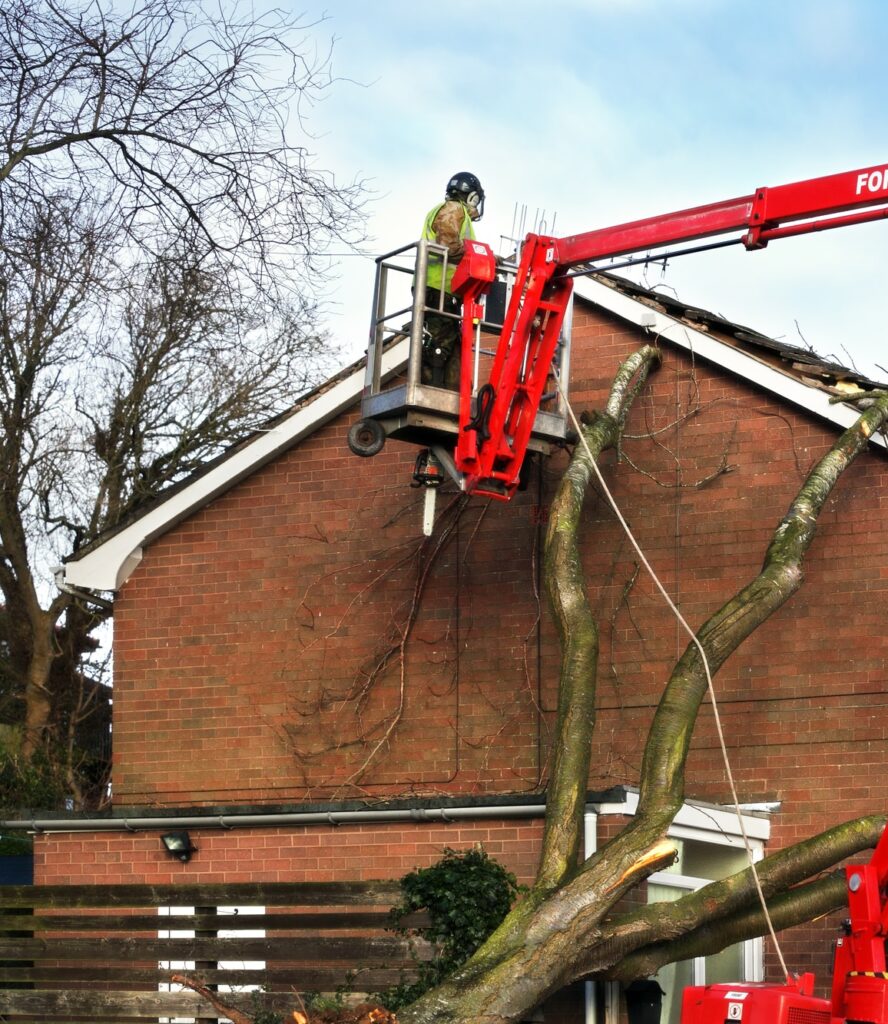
{"x": 178, "y": 844}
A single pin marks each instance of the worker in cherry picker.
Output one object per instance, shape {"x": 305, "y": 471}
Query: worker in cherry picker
{"x": 449, "y": 224}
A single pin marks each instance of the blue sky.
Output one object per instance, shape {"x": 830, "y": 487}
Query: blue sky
{"x": 593, "y": 112}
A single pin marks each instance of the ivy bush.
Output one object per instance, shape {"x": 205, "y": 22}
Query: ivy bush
{"x": 466, "y": 896}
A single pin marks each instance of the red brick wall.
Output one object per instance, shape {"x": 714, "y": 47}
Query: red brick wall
{"x": 287, "y": 854}
{"x": 244, "y": 631}
{"x": 258, "y": 646}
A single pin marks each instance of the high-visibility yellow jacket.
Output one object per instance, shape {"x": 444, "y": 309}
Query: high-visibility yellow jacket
{"x": 449, "y": 224}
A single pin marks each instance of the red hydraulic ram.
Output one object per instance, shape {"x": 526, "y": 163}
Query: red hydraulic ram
{"x": 495, "y": 425}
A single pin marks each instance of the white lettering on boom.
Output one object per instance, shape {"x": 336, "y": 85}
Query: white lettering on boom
{"x": 872, "y": 181}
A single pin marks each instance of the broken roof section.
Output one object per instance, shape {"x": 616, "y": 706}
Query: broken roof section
{"x": 805, "y": 363}
{"x": 794, "y": 374}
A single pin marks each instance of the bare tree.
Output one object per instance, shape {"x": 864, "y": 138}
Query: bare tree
{"x": 174, "y": 113}
{"x": 164, "y": 233}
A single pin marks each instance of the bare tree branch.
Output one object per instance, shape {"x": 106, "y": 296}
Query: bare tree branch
{"x": 181, "y": 114}
{"x": 578, "y": 631}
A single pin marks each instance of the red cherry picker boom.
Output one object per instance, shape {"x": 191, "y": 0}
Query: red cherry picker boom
{"x": 482, "y": 435}
{"x": 490, "y": 452}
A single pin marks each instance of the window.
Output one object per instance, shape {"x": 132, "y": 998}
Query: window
{"x": 710, "y": 847}
{"x": 700, "y": 861}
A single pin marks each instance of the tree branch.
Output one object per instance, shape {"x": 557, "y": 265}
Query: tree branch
{"x": 577, "y": 629}
{"x": 696, "y": 917}
{"x": 662, "y": 781}
{"x": 798, "y": 905}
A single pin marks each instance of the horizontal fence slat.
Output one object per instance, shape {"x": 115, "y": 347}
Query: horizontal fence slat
{"x": 269, "y": 894}
{"x": 358, "y": 949}
{"x": 202, "y": 922}
{"x": 303, "y": 979}
{"x": 132, "y": 1005}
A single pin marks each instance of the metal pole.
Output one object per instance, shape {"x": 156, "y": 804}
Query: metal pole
{"x": 374, "y": 344}
{"x": 414, "y": 360}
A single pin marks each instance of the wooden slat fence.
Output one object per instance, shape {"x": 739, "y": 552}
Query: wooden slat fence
{"x": 101, "y": 953}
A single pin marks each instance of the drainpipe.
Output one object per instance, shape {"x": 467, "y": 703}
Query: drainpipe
{"x": 232, "y": 821}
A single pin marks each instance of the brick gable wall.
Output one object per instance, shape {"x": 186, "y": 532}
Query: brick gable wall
{"x": 261, "y": 653}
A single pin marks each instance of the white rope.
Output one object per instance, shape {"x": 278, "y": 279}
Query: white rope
{"x": 699, "y": 647}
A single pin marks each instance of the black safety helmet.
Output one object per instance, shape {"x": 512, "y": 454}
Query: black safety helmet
{"x": 467, "y": 188}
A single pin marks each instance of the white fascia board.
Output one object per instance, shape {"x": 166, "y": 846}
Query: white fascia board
{"x": 702, "y": 344}
{"x": 107, "y": 566}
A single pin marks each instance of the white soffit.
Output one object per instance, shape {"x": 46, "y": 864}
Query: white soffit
{"x": 108, "y": 565}
{"x": 702, "y": 344}
{"x": 698, "y": 817}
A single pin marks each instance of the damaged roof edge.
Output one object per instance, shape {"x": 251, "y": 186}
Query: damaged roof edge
{"x": 714, "y": 350}
{"x": 108, "y": 562}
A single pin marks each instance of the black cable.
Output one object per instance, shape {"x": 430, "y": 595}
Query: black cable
{"x": 649, "y": 258}
{"x": 480, "y": 422}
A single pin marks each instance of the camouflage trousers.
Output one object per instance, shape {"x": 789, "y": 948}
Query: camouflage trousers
{"x": 441, "y": 342}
